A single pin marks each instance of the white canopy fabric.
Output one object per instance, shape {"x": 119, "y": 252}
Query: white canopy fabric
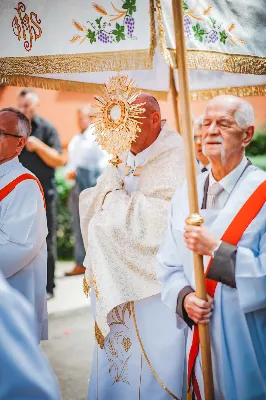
{"x": 221, "y": 35}
{"x": 61, "y": 45}
{"x": 71, "y": 36}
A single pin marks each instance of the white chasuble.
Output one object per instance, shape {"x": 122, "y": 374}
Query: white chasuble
{"x": 23, "y": 231}
{"x": 238, "y": 323}
{"x": 139, "y": 354}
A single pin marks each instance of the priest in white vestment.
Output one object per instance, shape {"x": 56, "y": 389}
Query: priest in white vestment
{"x": 139, "y": 354}
{"x": 233, "y": 242}
{"x": 23, "y": 228}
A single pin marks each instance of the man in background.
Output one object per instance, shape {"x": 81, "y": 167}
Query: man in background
{"x": 202, "y": 159}
{"x": 41, "y": 155}
{"x": 85, "y": 163}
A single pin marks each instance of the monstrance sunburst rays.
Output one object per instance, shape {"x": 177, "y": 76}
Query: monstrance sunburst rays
{"x": 118, "y": 119}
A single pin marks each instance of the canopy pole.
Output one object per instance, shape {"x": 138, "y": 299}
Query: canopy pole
{"x": 190, "y": 160}
{"x": 175, "y": 102}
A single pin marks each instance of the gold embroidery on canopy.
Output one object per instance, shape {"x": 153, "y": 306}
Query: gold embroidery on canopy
{"x": 26, "y": 27}
{"x": 82, "y": 62}
{"x": 244, "y": 91}
{"x": 209, "y": 59}
{"x": 146, "y": 356}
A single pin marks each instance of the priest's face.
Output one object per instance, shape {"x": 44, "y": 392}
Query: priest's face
{"x": 150, "y": 125}
{"x": 11, "y": 144}
{"x": 223, "y": 139}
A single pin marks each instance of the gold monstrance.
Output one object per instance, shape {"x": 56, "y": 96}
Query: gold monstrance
{"x": 117, "y": 123}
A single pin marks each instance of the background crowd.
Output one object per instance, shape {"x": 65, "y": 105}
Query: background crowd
{"x": 68, "y": 168}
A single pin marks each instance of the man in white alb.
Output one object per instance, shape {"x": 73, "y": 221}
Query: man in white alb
{"x": 233, "y": 242}
{"x": 138, "y": 352}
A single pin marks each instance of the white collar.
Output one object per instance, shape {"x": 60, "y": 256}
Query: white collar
{"x": 201, "y": 166}
{"x": 7, "y": 166}
{"x": 229, "y": 181}
{"x": 140, "y": 158}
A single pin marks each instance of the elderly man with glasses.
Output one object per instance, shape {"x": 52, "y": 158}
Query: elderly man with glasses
{"x": 23, "y": 227}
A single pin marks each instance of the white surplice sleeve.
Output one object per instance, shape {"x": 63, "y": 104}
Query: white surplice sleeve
{"x": 170, "y": 271}
{"x": 25, "y": 372}
{"x": 251, "y": 277}
{"x": 23, "y": 227}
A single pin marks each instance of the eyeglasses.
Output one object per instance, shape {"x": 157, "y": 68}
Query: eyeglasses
{"x": 197, "y": 138}
{"x": 4, "y": 133}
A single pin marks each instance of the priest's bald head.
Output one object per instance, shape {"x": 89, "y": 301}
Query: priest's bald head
{"x": 15, "y": 128}
{"x": 228, "y": 128}
{"x": 150, "y": 125}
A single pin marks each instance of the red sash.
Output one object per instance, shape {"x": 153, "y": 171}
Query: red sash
{"x": 12, "y": 185}
{"x": 232, "y": 236}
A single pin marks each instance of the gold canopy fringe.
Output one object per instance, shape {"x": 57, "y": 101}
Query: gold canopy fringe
{"x": 74, "y": 63}
{"x": 63, "y": 85}
{"x": 244, "y": 91}
{"x": 210, "y": 60}
{"x": 83, "y": 87}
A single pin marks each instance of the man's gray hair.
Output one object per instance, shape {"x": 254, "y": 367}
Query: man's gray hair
{"x": 23, "y": 125}
{"x": 244, "y": 115}
{"x": 87, "y": 110}
{"x": 199, "y": 121}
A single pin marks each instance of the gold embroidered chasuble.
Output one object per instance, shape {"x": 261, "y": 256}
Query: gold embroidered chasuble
{"x": 122, "y": 233}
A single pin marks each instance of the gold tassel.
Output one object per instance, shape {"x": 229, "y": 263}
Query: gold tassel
{"x": 86, "y": 287}
{"x": 189, "y": 395}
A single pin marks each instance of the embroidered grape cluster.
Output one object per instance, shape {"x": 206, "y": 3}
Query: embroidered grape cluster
{"x": 130, "y": 24}
{"x": 212, "y": 37}
{"x": 187, "y": 26}
{"x": 105, "y": 37}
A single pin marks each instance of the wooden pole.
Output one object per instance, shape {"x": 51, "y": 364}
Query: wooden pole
{"x": 174, "y": 96}
{"x": 190, "y": 159}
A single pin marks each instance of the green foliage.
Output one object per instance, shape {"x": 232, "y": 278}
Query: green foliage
{"x": 198, "y": 32}
{"x": 91, "y": 36}
{"x": 185, "y": 6}
{"x": 223, "y": 37}
{"x": 258, "y": 145}
{"x": 98, "y": 22}
{"x": 213, "y": 22}
{"x": 256, "y": 151}
{"x": 259, "y": 161}
{"x": 130, "y": 5}
{"x": 119, "y": 32}
{"x": 65, "y": 239}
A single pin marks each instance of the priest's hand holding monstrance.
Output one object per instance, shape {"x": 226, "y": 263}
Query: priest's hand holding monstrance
{"x": 118, "y": 119}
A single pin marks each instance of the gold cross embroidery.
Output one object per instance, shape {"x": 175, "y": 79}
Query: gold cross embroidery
{"x": 136, "y": 171}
